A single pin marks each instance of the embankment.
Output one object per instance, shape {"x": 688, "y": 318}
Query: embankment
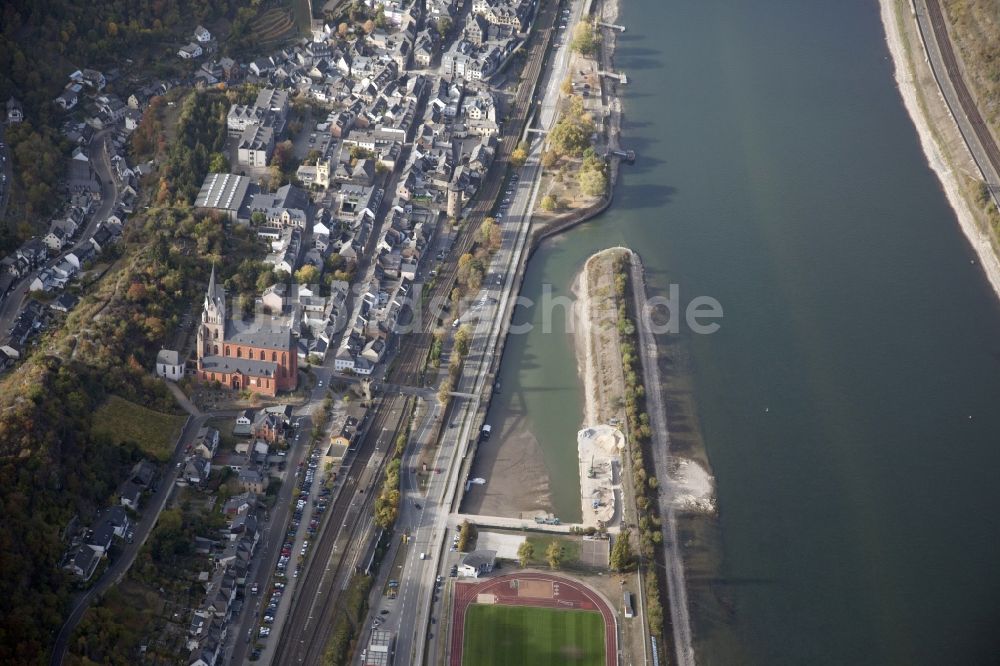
{"x": 942, "y": 141}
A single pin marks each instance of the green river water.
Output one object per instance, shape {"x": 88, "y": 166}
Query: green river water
{"x": 779, "y": 173}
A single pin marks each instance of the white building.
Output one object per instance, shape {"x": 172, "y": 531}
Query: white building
{"x": 168, "y": 365}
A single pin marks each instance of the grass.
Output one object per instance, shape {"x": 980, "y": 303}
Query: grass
{"x": 124, "y": 421}
{"x": 570, "y": 550}
{"x": 526, "y": 636}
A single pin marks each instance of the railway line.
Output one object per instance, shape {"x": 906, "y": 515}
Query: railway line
{"x": 965, "y": 98}
{"x": 415, "y": 346}
{"x": 349, "y": 521}
{"x": 303, "y": 639}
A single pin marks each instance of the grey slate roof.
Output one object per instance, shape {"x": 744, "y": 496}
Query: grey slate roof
{"x": 242, "y": 365}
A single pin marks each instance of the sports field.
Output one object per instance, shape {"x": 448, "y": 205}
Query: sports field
{"x": 498, "y": 635}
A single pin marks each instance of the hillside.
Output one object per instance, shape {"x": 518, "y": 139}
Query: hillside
{"x": 54, "y": 464}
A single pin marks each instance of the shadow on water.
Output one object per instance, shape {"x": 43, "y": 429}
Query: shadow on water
{"x": 643, "y": 196}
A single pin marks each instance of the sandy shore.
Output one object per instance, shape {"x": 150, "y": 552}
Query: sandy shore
{"x": 935, "y": 126}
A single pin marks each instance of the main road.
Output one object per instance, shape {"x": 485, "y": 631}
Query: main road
{"x": 419, "y": 592}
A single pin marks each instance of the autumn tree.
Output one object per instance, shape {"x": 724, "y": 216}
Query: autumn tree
{"x": 548, "y": 203}
{"x": 520, "y": 155}
{"x": 585, "y": 40}
{"x": 308, "y": 274}
{"x": 554, "y": 555}
{"x": 525, "y": 552}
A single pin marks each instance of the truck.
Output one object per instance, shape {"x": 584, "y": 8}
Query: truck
{"x": 485, "y": 434}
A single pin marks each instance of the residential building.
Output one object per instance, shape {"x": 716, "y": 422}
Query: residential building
{"x": 189, "y": 51}
{"x": 255, "y": 146}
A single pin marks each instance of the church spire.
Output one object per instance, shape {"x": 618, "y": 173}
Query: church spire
{"x": 211, "y": 283}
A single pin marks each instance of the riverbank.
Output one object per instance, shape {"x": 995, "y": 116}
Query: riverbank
{"x": 946, "y": 151}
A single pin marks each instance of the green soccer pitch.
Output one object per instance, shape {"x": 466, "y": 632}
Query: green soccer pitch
{"x": 528, "y": 636}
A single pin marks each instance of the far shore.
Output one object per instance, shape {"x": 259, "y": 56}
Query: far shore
{"x": 940, "y": 138}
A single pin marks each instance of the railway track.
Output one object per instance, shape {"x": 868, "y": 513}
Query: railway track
{"x": 303, "y": 639}
{"x": 415, "y": 346}
{"x": 958, "y": 82}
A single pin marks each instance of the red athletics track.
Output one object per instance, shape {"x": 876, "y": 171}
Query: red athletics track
{"x": 569, "y": 594}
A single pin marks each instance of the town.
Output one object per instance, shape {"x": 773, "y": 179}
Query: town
{"x": 374, "y": 184}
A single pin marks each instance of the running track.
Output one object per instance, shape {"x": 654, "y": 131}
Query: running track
{"x": 569, "y": 594}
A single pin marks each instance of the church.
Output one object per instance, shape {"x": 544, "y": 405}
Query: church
{"x": 260, "y": 357}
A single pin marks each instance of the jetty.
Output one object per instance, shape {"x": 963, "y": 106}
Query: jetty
{"x": 618, "y": 76}
{"x": 613, "y": 26}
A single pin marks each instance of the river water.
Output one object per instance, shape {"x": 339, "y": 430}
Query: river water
{"x": 848, "y": 405}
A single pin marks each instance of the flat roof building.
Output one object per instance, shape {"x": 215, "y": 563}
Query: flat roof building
{"x": 223, "y": 192}
{"x": 379, "y": 650}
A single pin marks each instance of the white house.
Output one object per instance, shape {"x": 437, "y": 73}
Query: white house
{"x": 478, "y": 563}
{"x": 190, "y": 51}
{"x": 168, "y": 365}
{"x": 202, "y": 35}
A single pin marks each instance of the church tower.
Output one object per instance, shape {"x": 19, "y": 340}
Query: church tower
{"x": 323, "y": 173}
{"x": 212, "y": 332}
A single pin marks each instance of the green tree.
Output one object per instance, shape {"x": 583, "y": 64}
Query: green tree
{"x": 525, "y": 553}
{"x": 548, "y": 203}
{"x": 218, "y": 164}
{"x": 621, "y": 552}
{"x": 443, "y": 26}
{"x": 593, "y": 182}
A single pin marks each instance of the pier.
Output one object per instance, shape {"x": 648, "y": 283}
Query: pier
{"x": 613, "y": 26}
{"x": 626, "y": 155}
{"x": 619, "y": 76}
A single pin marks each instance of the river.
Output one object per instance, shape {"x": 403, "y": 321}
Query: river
{"x": 848, "y": 405}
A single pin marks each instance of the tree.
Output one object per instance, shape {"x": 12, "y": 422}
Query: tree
{"x": 257, "y": 218}
{"x": 462, "y": 339}
{"x": 443, "y": 26}
{"x": 218, "y": 164}
{"x": 593, "y": 182}
{"x": 444, "y": 391}
{"x": 548, "y": 203}
{"x": 621, "y": 552}
{"x": 585, "y": 40}
{"x": 342, "y": 30}
{"x": 571, "y": 135}
{"x": 567, "y": 86}
{"x": 282, "y": 156}
{"x": 549, "y": 159}
{"x": 525, "y": 553}
{"x": 308, "y": 274}
{"x": 553, "y": 555}
{"x": 369, "y": 27}
{"x": 520, "y": 155}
